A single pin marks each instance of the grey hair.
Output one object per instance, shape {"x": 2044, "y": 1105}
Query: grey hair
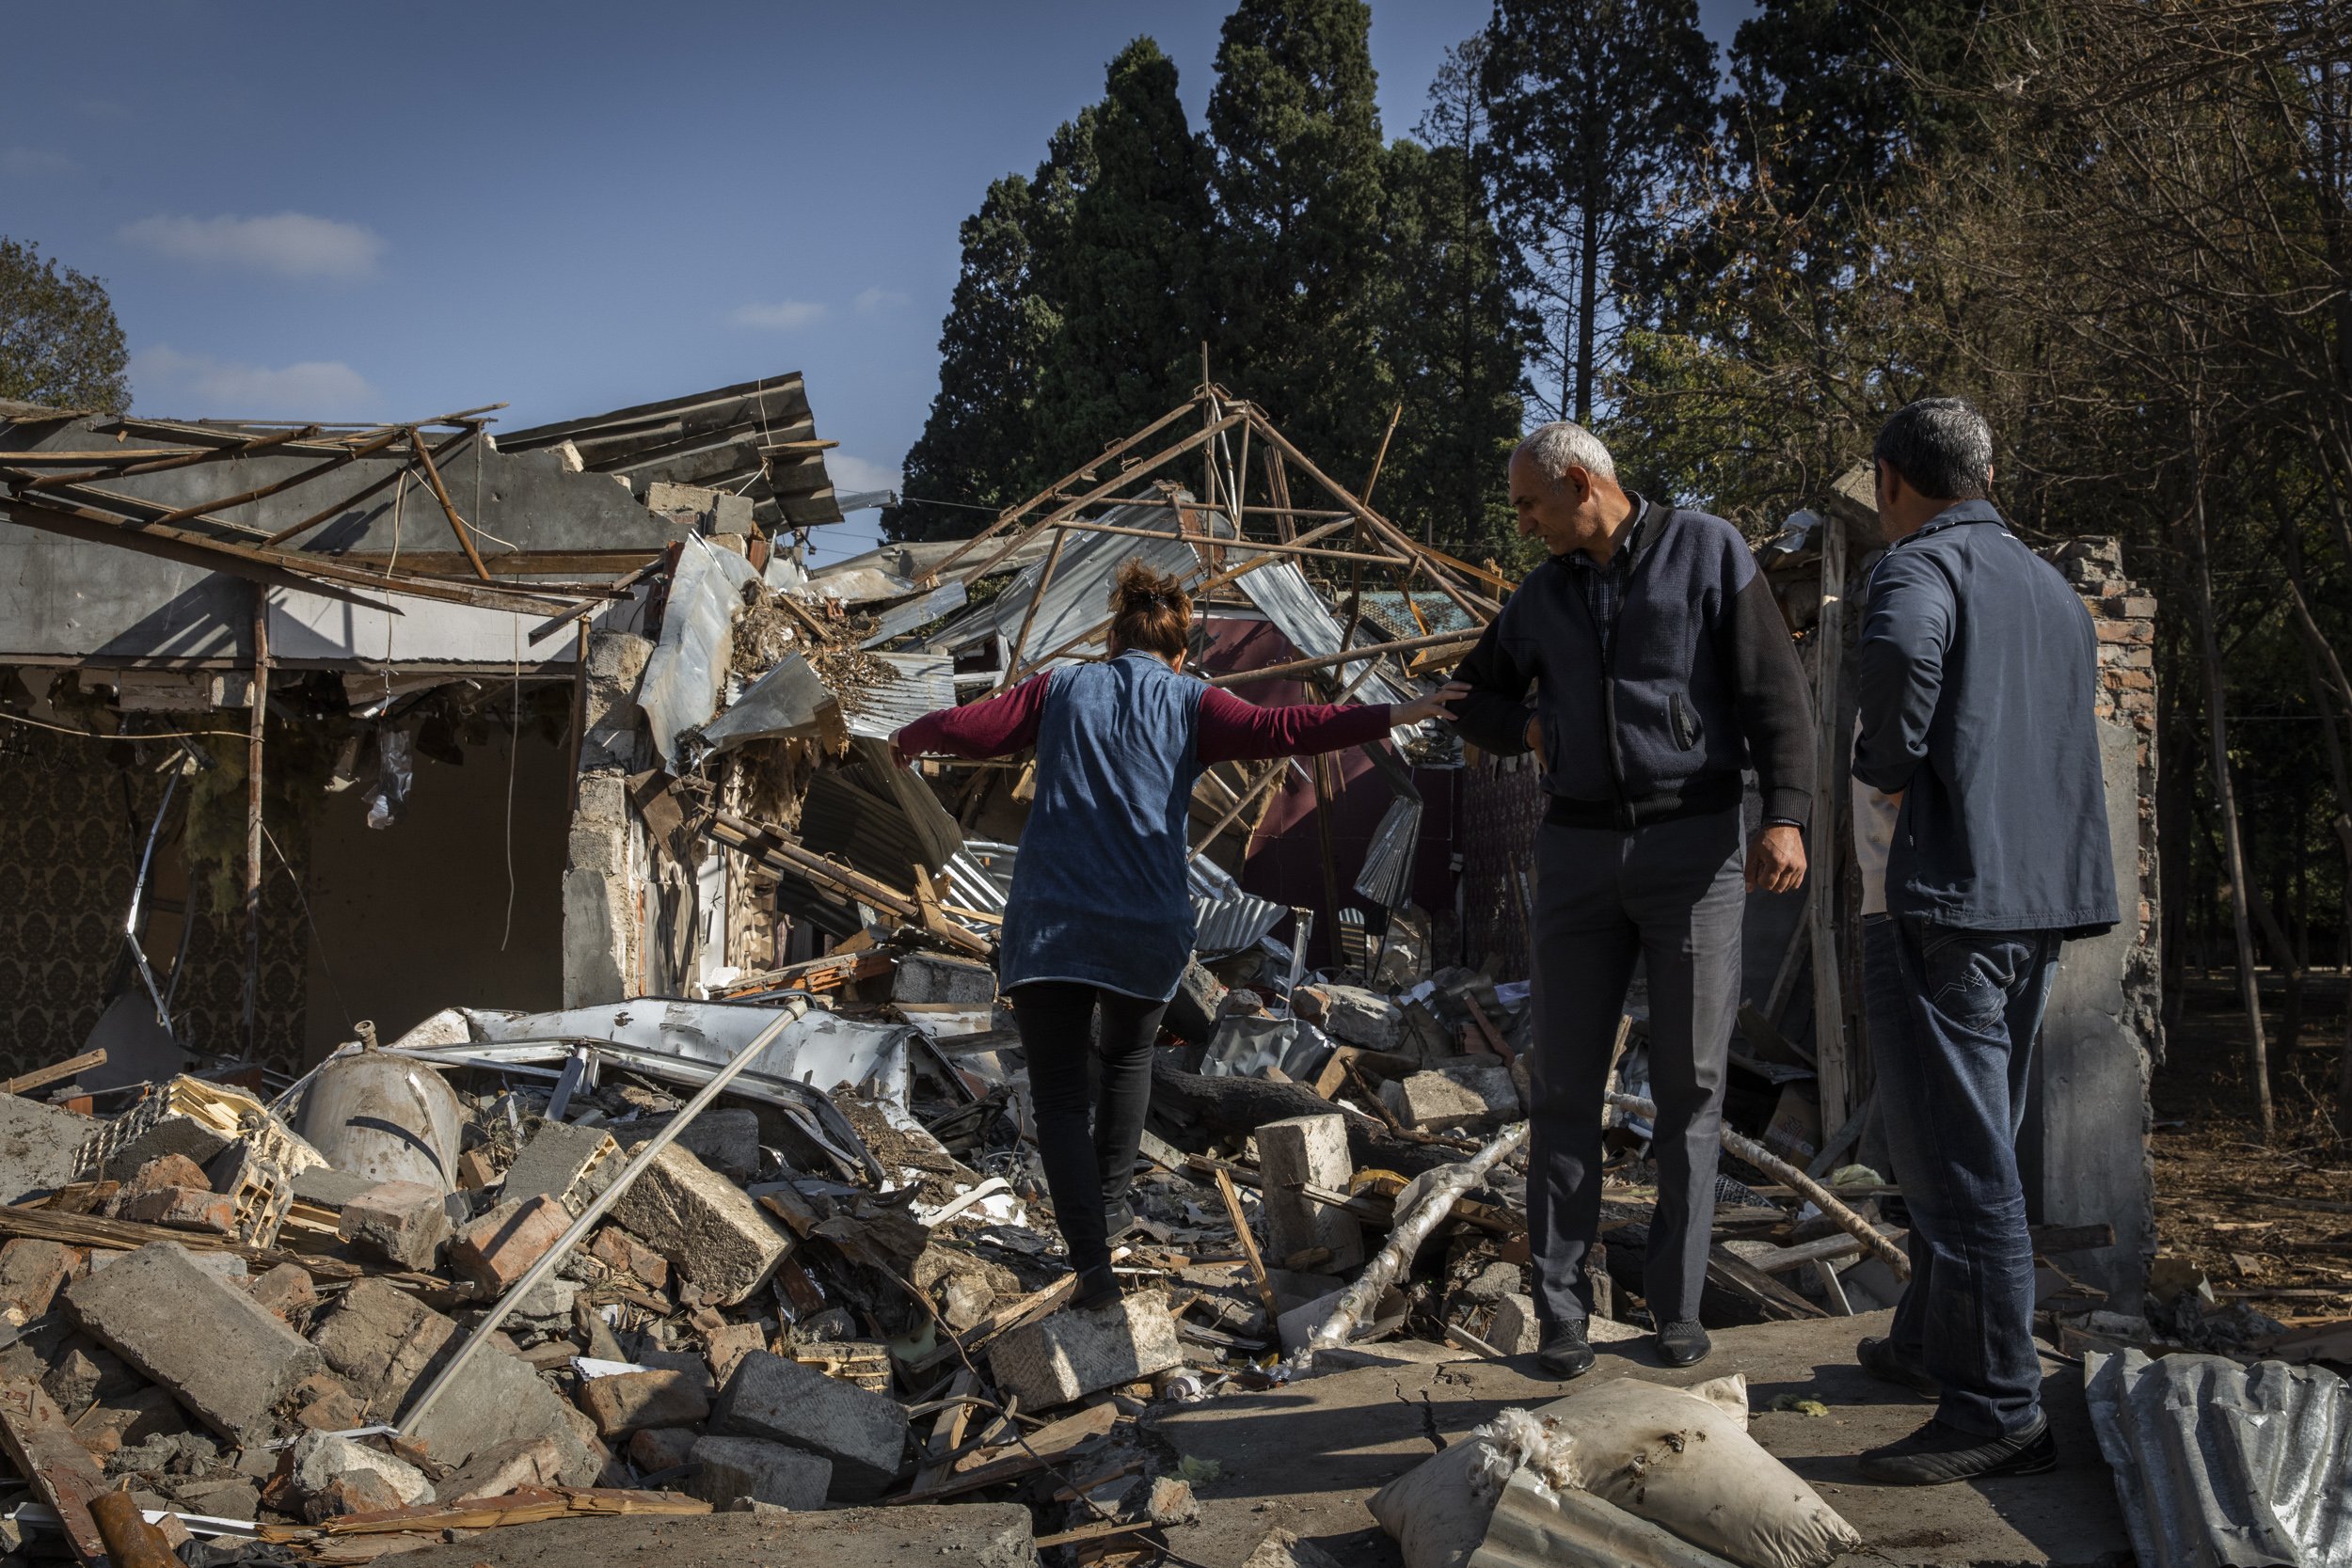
{"x": 1941, "y": 447}
{"x": 1561, "y": 445}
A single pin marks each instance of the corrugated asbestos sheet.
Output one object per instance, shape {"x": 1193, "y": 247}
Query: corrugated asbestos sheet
{"x": 757, "y": 440}
{"x": 2223, "y": 1465}
{"x": 1079, "y": 595}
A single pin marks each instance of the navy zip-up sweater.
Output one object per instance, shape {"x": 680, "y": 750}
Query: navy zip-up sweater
{"x": 1978, "y": 669}
{"x": 1700, "y": 682}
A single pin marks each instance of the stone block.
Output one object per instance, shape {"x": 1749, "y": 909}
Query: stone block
{"x": 501, "y": 1400}
{"x": 1073, "y": 1353}
{"x": 498, "y": 1248}
{"x": 725, "y": 1138}
{"x": 31, "y": 1272}
{"x": 545, "y": 1311}
{"x": 728, "y": 1344}
{"x": 554, "y": 1159}
{"x": 285, "y": 1291}
{"x": 628, "y": 1402}
{"x": 1361, "y": 1017}
{"x": 1432, "y": 1102}
{"x": 501, "y": 1468}
{"x": 1170, "y": 1502}
{"x": 704, "y": 1225}
{"x": 1311, "y": 1149}
{"x": 864, "y": 1435}
{"x": 1193, "y": 1011}
{"x": 1491, "y": 1081}
{"x": 1513, "y": 1330}
{"x": 654, "y": 1450}
{"x": 165, "y": 1170}
{"x": 332, "y": 1475}
{"x": 328, "y": 1187}
{"x": 221, "y": 1354}
{"x": 401, "y": 1222}
{"x": 380, "y": 1339}
{"x": 732, "y": 1467}
{"x": 937, "y": 979}
{"x": 39, "y": 1147}
{"x": 221, "y": 1497}
{"x": 184, "y": 1208}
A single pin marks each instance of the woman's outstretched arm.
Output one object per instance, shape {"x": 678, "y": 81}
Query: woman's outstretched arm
{"x": 992, "y": 727}
{"x": 1233, "y": 730}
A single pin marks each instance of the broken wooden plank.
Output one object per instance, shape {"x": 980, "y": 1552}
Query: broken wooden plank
{"x": 45, "y": 1452}
{"x": 54, "y": 1071}
{"x": 1258, "y": 1279}
{"x": 1035, "y": 1452}
{"x": 527, "y": 1505}
{"x": 1728, "y": 1271}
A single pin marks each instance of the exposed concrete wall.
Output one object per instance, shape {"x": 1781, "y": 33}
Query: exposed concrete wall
{"x": 412, "y": 918}
{"x": 603, "y": 941}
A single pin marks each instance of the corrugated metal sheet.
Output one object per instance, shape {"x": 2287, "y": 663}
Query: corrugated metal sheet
{"x": 901, "y": 619}
{"x": 679, "y": 690}
{"x": 788, "y": 700}
{"x": 1387, "y": 878}
{"x": 1227, "y": 919}
{"x": 925, "y": 683}
{"x": 880, "y": 819}
{"x": 757, "y": 438}
{"x": 1282, "y": 592}
{"x": 1079, "y": 595}
{"x": 2218, "y": 1464}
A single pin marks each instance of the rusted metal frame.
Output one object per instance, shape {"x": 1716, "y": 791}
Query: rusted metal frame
{"x": 446, "y": 450}
{"x": 1028, "y": 616}
{"x": 1349, "y": 656}
{"x": 1076, "y": 476}
{"x": 1070, "y": 509}
{"x": 179, "y": 460}
{"x": 302, "y": 572}
{"x": 449, "y": 507}
{"x": 1478, "y": 610}
{"x": 1238, "y": 543}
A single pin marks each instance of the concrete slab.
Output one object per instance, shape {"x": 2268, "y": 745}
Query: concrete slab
{"x": 967, "y": 1535}
{"x": 1306, "y": 1457}
{"x": 40, "y": 1145}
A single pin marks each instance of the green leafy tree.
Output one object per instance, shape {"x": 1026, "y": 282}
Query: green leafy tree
{"x": 1306, "y": 300}
{"x": 60, "y": 344}
{"x": 1599, "y": 107}
{"x": 1129, "y": 280}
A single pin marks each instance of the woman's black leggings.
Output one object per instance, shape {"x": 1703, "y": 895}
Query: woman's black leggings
{"x": 1085, "y": 1173}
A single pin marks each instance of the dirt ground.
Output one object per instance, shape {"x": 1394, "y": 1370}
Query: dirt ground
{"x": 2271, "y": 1225}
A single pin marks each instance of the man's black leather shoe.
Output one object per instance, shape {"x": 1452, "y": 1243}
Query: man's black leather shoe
{"x": 1882, "y": 1360}
{"x": 1937, "y": 1455}
{"x": 1684, "y": 1344}
{"x": 1565, "y": 1351}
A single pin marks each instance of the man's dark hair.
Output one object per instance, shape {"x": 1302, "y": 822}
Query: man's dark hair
{"x": 1941, "y": 447}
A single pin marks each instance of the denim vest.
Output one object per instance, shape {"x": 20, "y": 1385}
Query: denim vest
{"x": 1099, "y": 892}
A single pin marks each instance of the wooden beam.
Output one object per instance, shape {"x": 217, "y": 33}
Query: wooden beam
{"x": 440, "y": 453}
{"x": 54, "y": 1071}
{"x": 253, "y": 823}
{"x": 1352, "y": 655}
{"x": 449, "y": 508}
{"x": 1071, "y": 508}
{"x": 1236, "y": 543}
{"x": 46, "y": 1454}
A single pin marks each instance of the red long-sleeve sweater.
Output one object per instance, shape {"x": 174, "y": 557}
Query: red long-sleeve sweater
{"x": 1232, "y": 730}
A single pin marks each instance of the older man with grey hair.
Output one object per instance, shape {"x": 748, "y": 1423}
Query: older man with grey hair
{"x": 1659, "y": 669}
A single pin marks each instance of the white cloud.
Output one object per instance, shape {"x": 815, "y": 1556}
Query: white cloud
{"x": 31, "y": 162}
{"x": 785, "y": 315}
{"x": 287, "y": 245}
{"x": 873, "y": 302}
{"x": 853, "y": 474}
{"x": 199, "y": 386}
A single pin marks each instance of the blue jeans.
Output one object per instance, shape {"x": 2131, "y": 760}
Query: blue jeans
{"x": 1954, "y": 1015}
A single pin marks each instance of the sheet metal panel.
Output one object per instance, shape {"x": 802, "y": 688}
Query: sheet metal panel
{"x": 1079, "y": 595}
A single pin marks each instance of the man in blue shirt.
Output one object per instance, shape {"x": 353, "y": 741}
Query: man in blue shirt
{"x": 1977, "y": 665}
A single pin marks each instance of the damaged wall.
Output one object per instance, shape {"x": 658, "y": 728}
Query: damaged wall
{"x": 412, "y": 918}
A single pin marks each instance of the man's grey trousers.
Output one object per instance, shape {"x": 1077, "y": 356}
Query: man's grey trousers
{"x": 1671, "y": 894}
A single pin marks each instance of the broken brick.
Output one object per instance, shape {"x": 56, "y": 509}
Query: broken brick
{"x": 628, "y": 1401}
{"x": 497, "y": 1249}
{"x": 184, "y": 1208}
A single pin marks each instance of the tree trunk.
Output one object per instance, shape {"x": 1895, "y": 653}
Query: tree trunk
{"x": 1587, "y": 303}
{"x": 2319, "y": 658}
{"x": 2225, "y": 803}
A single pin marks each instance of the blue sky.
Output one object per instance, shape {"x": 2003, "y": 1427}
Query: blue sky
{"x": 360, "y": 213}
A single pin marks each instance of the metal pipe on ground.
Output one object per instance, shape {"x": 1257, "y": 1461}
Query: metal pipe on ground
{"x": 792, "y": 1011}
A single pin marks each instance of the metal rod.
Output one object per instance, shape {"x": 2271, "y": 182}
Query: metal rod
{"x": 792, "y": 1009}
{"x": 1323, "y": 661}
{"x": 253, "y": 821}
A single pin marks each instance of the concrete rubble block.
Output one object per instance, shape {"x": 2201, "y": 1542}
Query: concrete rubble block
{"x": 654, "y": 1450}
{"x": 401, "y": 1222}
{"x": 380, "y": 1339}
{"x": 1313, "y": 1150}
{"x": 82, "y": 1370}
{"x": 501, "y": 1468}
{"x": 1192, "y": 1012}
{"x": 546, "y": 1309}
{"x": 1073, "y": 1353}
{"x": 863, "y": 1434}
{"x": 221, "y": 1497}
{"x": 728, "y": 1344}
{"x": 725, "y": 1138}
{"x": 1281, "y": 1549}
{"x": 129, "y": 1418}
{"x": 1432, "y": 1102}
{"x": 285, "y": 1291}
{"x": 704, "y": 1225}
{"x": 184, "y": 1208}
{"x": 496, "y": 1249}
{"x": 627, "y": 1401}
{"x": 554, "y": 1159}
{"x": 331, "y": 1474}
{"x": 39, "y": 1147}
{"x": 165, "y": 1170}
{"x": 934, "y": 978}
{"x": 220, "y": 1353}
{"x": 1361, "y": 1017}
{"x": 1514, "y": 1330}
{"x": 1295, "y": 1324}
{"x": 500, "y": 1400}
{"x": 31, "y": 1272}
{"x": 775, "y": 1473}
{"x": 1490, "y": 1080}
{"x": 1171, "y": 1502}
{"x": 1488, "y": 1286}
{"x": 226, "y": 1265}
{"x": 328, "y": 1187}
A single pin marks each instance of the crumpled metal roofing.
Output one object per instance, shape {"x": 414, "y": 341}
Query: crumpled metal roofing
{"x": 1283, "y": 593}
{"x": 2224, "y": 1466}
{"x": 1227, "y": 920}
{"x": 1079, "y": 595}
{"x": 926, "y": 683}
{"x": 679, "y": 690}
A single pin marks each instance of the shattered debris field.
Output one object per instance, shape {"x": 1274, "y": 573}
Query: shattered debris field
{"x": 510, "y": 1068}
